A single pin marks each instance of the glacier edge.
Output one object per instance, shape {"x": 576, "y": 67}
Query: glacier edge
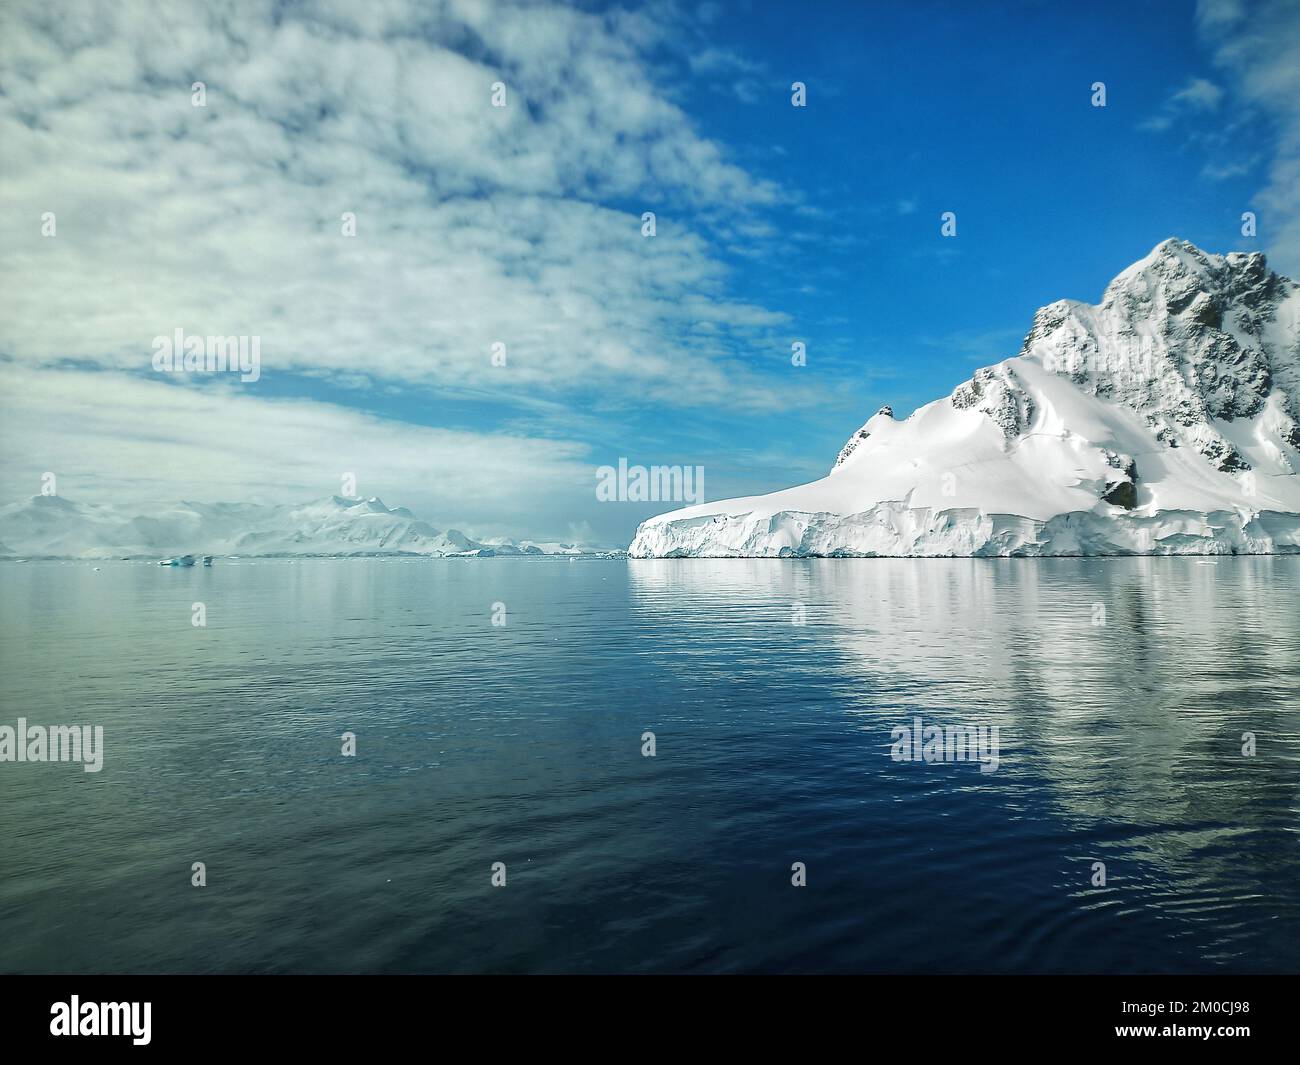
{"x": 894, "y": 530}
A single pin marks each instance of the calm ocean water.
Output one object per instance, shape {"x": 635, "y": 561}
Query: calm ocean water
{"x": 1119, "y": 743}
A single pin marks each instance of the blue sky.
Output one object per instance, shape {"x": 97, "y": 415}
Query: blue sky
{"x": 522, "y": 225}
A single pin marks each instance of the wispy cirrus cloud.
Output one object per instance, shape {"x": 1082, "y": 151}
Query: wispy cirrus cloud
{"x": 743, "y": 77}
{"x": 1257, "y": 47}
{"x": 1197, "y": 96}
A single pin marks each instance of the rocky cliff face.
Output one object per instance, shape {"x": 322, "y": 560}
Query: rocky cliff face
{"x": 1185, "y": 339}
{"x": 1165, "y": 418}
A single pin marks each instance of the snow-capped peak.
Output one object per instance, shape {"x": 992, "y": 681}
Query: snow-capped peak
{"x": 1163, "y": 418}
{"x": 885, "y": 414}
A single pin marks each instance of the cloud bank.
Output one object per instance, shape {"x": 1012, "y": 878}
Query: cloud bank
{"x": 130, "y": 211}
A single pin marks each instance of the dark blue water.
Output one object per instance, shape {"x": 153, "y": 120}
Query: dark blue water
{"x": 522, "y": 744}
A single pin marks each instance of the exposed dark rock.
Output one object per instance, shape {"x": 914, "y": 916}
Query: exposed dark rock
{"x": 1122, "y": 493}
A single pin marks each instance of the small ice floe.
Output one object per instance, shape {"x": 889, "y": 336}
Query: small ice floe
{"x": 179, "y": 560}
{"x": 1205, "y": 562}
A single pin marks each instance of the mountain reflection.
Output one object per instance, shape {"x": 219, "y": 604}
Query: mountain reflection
{"x": 1122, "y": 689}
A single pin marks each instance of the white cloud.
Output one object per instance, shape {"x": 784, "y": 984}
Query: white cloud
{"x": 1257, "y": 46}
{"x": 109, "y": 436}
{"x": 1233, "y": 169}
{"x": 475, "y": 224}
{"x": 722, "y": 61}
{"x": 1197, "y": 96}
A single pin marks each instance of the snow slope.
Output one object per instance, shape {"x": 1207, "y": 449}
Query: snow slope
{"x": 50, "y": 526}
{"x": 1162, "y": 420}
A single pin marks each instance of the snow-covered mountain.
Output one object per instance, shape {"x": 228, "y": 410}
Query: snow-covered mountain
{"x": 50, "y": 526}
{"x": 1163, "y": 420}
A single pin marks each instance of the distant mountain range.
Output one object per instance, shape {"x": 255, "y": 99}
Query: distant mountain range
{"x": 1163, "y": 420}
{"x": 53, "y": 527}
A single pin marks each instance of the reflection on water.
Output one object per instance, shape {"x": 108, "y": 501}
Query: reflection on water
{"x": 1121, "y": 690}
